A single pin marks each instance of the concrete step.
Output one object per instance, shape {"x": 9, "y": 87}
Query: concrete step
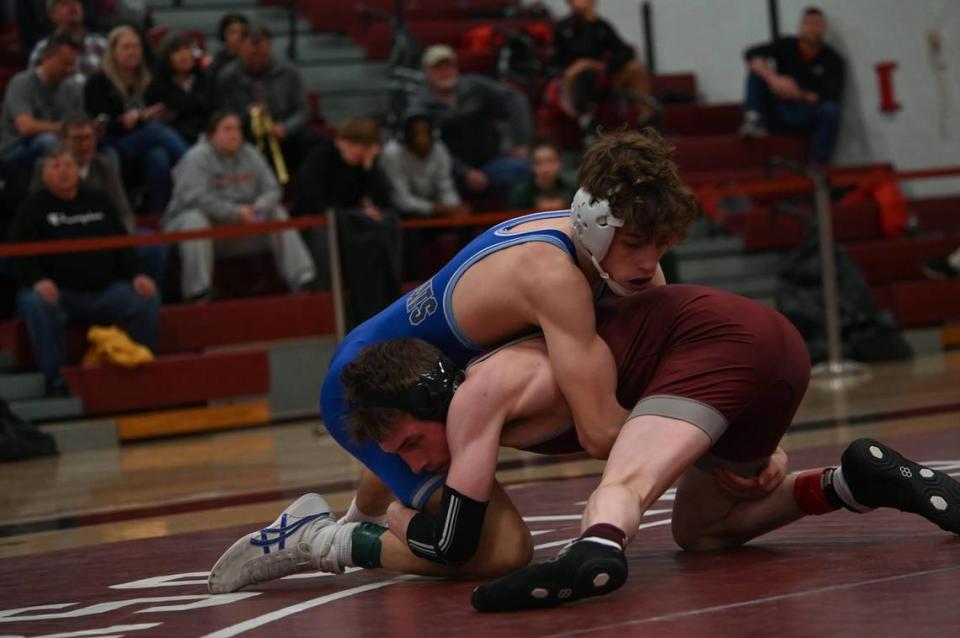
{"x": 207, "y": 20}
{"x": 83, "y": 435}
{"x": 335, "y": 108}
{"x": 295, "y": 368}
{"x": 713, "y": 270}
{"x": 37, "y": 410}
{"x": 709, "y": 247}
{"x": 334, "y": 42}
{"x": 327, "y": 79}
{"x": 925, "y": 340}
{"x": 761, "y": 288}
{"x": 19, "y": 387}
{"x": 319, "y": 47}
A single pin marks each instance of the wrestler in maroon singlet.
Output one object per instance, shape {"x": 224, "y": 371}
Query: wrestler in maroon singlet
{"x": 730, "y": 365}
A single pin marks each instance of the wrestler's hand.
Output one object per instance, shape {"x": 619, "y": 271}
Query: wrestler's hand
{"x": 750, "y": 489}
{"x": 398, "y": 519}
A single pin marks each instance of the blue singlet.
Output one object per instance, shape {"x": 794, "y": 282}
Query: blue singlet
{"x": 425, "y": 313}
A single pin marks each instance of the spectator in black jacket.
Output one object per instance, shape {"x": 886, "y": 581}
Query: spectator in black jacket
{"x": 116, "y": 96}
{"x": 97, "y": 171}
{"x": 594, "y": 63}
{"x": 232, "y": 30}
{"x": 257, "y": 78}
{"x": 803, "y": 90}
{"x": 343, "y": 175}
{"x": 105, "y": 287}
{"x": 180, "y": 85}
{"x": 465, "y": 108}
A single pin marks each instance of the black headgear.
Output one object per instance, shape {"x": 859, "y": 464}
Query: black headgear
{"x": 428, "y": 398}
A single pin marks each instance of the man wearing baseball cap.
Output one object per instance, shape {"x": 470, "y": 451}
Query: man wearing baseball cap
{"x": 466, "y": 110}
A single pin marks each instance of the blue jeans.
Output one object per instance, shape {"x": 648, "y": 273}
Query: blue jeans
{"x": 25, "y": 152}
{"x": 820, "y": 119}
{"x": 118, "y": 303}
{"x": 504, "y": 172}
{"x": 156, "y": 147}
{"x": 153, "y": 259}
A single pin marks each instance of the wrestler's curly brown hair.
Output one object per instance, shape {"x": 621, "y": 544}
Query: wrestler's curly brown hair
{"x": 388, "y": 367}
{"x": 634, "y": 172}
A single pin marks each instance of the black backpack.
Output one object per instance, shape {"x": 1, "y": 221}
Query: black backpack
{"x": 868, "y": 334}
{"x": 22, "y": 440}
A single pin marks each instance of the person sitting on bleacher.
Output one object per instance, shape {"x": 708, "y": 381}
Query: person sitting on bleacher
{"x": 594, "y": 64}
{"x": 97, "y": 171}
{"x": 67, "y": 17}
{"x": 224, "y": 180}
{"x": 116, "y": 96}
{"x": 803, "y": 93}
{"x": 180, "y": 85}
{"x": 102, "y": 287}
{"x": 546, "y": 188}
{"x": 256, "y": 78}
{"x": 36, "y": 102}
{"x": 344, "y": 175}
{"x": 420, "y": 172}
{"x": 465, "y": 108}
{"x": 231, "y": 32}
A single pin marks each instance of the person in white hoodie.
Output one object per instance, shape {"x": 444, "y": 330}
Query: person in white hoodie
{"x": 224, "y": 180}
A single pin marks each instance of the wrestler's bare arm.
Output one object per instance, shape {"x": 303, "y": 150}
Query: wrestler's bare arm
{"x": 583, "y": 364}
{"x": 476, "y": 416}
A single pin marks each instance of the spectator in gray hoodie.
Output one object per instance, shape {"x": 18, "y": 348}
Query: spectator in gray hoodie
{"x": 224, "y": 180}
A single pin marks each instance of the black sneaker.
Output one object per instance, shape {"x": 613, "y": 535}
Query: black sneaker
{"x": 56, "y": 388}
{"x": 206, "y": 296}
{"x": 879, "y": 476}
{"x": 752, "y": 129}
{"x": 583, "y": 568}
{"x": 939, "y": 269}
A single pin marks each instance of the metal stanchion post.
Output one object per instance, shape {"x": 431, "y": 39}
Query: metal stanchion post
{"x": 336, "y": 276}
{"x": 292, "y": 30}
{"x": 835, "y": 367}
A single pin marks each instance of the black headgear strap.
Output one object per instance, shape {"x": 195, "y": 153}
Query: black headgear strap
{"x": 428, "y": 398}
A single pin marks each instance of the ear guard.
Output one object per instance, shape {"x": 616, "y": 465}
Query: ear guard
{"x": 594, "y": 224}
{"x": 427, "y": 399}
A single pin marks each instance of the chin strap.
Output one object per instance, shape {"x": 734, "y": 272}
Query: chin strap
{"x": 614, "y": 287}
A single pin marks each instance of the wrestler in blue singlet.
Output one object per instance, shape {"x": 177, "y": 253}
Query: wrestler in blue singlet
{"x": 425, "y": 313}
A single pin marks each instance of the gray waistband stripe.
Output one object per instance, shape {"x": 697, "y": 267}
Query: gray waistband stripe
{"x": 705, "y": 417}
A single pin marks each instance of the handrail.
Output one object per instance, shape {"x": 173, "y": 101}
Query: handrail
{"x": 228, "y": 231}
{"x": 780, "y": 185}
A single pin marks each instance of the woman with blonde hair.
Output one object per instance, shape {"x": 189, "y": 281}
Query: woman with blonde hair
{"x": 115, "y": 96}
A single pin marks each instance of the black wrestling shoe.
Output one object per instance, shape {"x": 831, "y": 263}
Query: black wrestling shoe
{"x": 583, "y": 568}
{"x": 879, "y": 476}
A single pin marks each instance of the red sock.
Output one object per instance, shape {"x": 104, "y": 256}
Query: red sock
{"x": 810, "y": 493}
{"x": 606, "y": 531}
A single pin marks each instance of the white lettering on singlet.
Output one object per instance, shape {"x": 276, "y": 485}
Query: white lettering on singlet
{"x": 421, "y": 303}
{"x": 57, "y": 218}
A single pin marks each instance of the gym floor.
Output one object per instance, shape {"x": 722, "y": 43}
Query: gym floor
{"x": 117, "y": 542}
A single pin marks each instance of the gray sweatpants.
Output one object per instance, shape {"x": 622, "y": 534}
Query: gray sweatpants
{"x": 290, "y": 254}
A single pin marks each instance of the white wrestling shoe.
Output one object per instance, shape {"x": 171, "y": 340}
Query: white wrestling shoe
{"x": 273, "y": 552}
